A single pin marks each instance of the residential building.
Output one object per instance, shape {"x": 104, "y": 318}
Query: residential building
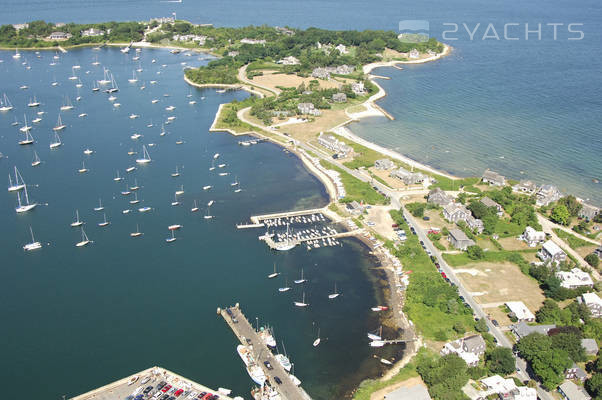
{"x": 454, "y": 212}
{"x": 309, "y": 109}
{"x": 490, "y": 203}
{"x": 570, "y": 391}
{"x": 550, "y": 251}
{"x": 439, "y": 197}
{"x": 355, "y": 208}
{"x": 18, "y": 27}
{"x": 593, "y": 302}
{"x": 588, "y": 212}
{"x": 414, "y": 54}
{"x": 164, "y": 20}
{"x": 252, "y": 41}
{"x": 469, "y": 349}
{"x": 416, "y": 392}
{"x": 474, "y": 224}
{"x": 342, "y": 49}
{"x": 547, "y": 194}
{"x": 321, "y": 73}
{"x": 92, "y": 32}
{"x": 339, "y": 98}
{"x": 519, "y": 310}
{"x": 525, "y": 187}
{"x": 384, "y": 164}
{"x": 575, "y": 373}
{"x": 522, "y": 329}
{"x": 358, "y": 88}
{"x": 332, "y": 143}
{"x": 590, "y": 346}
{"x": 574, "y": 278}
{"x": 285, "y": 31}
{"x": 290, "y": 60}
{"x": 493, "y": 178}
{"x": 533, "y": 237}
{"x": 506, "y": 389}
{"x": 409, "y": 178}
{"x": 344, "y": 69}
{"x": 459, "y": 240}
{"x": 233, "y": 53}
{"x": 59, "y": 36}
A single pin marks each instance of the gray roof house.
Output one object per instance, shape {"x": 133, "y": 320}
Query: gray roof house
{"x": 417, "y": 392}
{"x": 332, "y": 143}
{"x": 575, "y": 373}
{"x": 308, "y": 108}
{"x": 455, "y": 212}
{"x": 590, "y": 346}
{"x": 552, "y": 252}
{"x": 570, "y": 391}
{"x": 474, "y": 344}
{"x": 321, "y": 73}
{"x": 593, "y": 302}
{"x": 384, "y": 164}
{"x": 59, "y": 36}
{"x": 588, "y": 212}
{"x": 355, "y": 208}
{"x": 522, "y": 329}
{"x": 490, "y": 203}
{"x": 493, "y": 178}
{"x": 409, "y": 178}
{"x": 439, "y": 197}
{"x": 475, "y": 224}
{"x": 525, "y": 186}
{"x": 459, "y": 240}
{"x": 339, "y": 97}
{"x": 547, "y": 194}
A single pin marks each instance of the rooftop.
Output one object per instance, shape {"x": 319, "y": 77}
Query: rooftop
{"x": 417, "y": 392}
{"x": 520, "y": 310}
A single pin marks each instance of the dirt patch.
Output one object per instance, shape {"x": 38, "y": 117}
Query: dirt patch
{"x": 501, "y": 282}
{"x": 311, "y": 129}
{"x": 585, "y": 250}
{"x": 380, "y": 394}
{"x": 381, "y": 217}
{"x": 273, "y": 79}
{"x": 436, "y": 220}
{"x": 513, "y": 244}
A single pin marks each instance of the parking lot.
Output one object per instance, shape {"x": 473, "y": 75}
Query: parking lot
{"x": 156, "y": 384}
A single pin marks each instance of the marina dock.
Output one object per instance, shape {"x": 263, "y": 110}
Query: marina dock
{"x": 256, "y": 219}
{"x": 247, "y": 336}
{"x": 273, "y": 244}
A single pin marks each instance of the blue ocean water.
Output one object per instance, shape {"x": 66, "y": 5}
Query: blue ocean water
{"x": 78, "y": 318}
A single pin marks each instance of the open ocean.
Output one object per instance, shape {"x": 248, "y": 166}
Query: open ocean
{"x": 74, "y": 319}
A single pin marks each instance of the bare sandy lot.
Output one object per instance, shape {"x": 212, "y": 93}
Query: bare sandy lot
{"x": 381, "y": 217}
{"x": 273, "y": 79}
{"x": 310, "y": 130}
{"x": 512, "y": 244}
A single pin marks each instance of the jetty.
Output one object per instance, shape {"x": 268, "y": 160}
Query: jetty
{"x": 247, "y": 336}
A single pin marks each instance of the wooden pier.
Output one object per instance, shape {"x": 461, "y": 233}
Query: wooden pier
{"x": 247, "y": 336}
{"x": 247, "y": 226}
{"x": 273, "y": 244}
{"x": 259, "y": 218}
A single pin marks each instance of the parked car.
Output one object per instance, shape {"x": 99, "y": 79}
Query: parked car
{"x": 495, "y": 323}
{"x": 178, "y": 392}
{"x": 426, "y": 218}
{"x": 166, "y": 388}
{"x": 278, "y": 381}
{"x": 147, "y": 390}
{"x": 443, "y": 275}
{"x": 268, "y": 365}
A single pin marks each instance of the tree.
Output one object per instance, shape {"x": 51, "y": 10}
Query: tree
{"x": 594, "y": 385}
{"x": 475, "y": 252}
{"x": 560, "y": 215}
{"x": 592, "y": 259}
{"x": 459, "y": 327}
{"x": 549, "y": 313}
{"x": 571, "y": 343}
{"x": 481, "y": 325}
{"x": 571, "y": 204}
{"x": 500, "y": 361}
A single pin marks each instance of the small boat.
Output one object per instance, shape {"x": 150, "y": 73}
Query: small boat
{"x": 118, "y": 178}
{"x": 100, "y": 207}
{"x": 59, "y": 124}
{"x": 36, "y": 160}
{"x": 135, "y": 187}
{"x": 112, "y": 98}
{"x": 301, "y": 303}
{"x": 135, "y": 201}
{"x": 25, "y": 128}
{"x": 88, "y": 152}
{"x": 302, "y": 280}
{"x": 17, "y": 55}
{"x": 176, "y": 174}
{"x": 195, "y": 208}
{"x": 334, "y": 294}
{"x": 134, "y": 116}
{"x": 376, "y": 335}
{"x": 208, "y": 215}
{"x": 174, "y": 227}
{"x": 83, "y": 169}
{"x": 172, "y": 238}
{"x": 126, "y": 192}
{"x": 28, "y": 139}
{"x": 210, "y": 203}
{"x": 192, "y": 102}
{"x": 77, "y": 221}
{"x": 179, "y": 141}
{"x": 134, "y": 378}
{"x": 95, "y": 87}
{"x": 104, "y": 222}
{"x": 130, "y": 169}
{"x": 136, "y": 136}
{"x": 285, "y": 288}
{"x": 163, "y": 133}
{"x": 19, "y": 182}
{"x": 33, "y": 103}
{"x": 175, "y": 202}
{"x": 37, "y": 120}
{"x": 57, "y": 141}
{"x": 137, "y": 233}
{"x": 235, "y": 183}
{"x": 154, "y": 101}
{"x": 207, "y": 187}
{"x": 181, "y": 191}
{"x": 85, "y": 241}
{"x": 134, "y": 78}
{"x": 224, "y": 173}
{"x": 33, "y": 245}
{"x": 126, "y": 211}
{"x": 317, "y": 341}
{"x": 145, "y": 157}
{"x": 385, "y": 361}
{"x": 216, "y": 156}
{"x": 82, "y": 115}
{"x": 144, "y": 209}
{"x": 377, "y": 343}
{"x": 221, "y": 165}
{"x": 273, "y": 274}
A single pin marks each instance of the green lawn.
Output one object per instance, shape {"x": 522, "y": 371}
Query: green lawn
{"x": 370, "y": 386}
{"x": 356, "y": 190}
{"x": 573, "y": 241}
{"x": 453, "y": 184}
{"x": 457, "y": 260}
{"x": 508, "y": 229}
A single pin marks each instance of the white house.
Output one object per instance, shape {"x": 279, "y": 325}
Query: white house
{"x": 574, "y": 278}
{"x": 59, "y": 36}
{"x": 520, "y": 311}
{"x": 342, "y": 49}
{"x": 409, "y": 178}
{"x": 455, "y": 212}
{"x": 469, "y": 349}
{"x": 358, "y": 88}
{"x": 550, "y": 251}
{"x": 493, "y": 178}
{"x": 332, "y": 143}
{"x": 92, "y": 32}
{"x": 384, "y": 164}
{"x": 252, "y": 41}
{"x": 525, "y": 187}
{"x": 414, "y": 54}
{"x": 506, "y": 389}
{"x": 593, "y": 302}
{"x": 533, "y": 237}
{"x": 547, "y": 194}
{"x": 290, "y": 60}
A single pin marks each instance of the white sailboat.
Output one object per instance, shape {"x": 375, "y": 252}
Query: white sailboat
{"x": 134, "y": 78}
{"x": 83, "y": 169}
{"x": 21, "y": 208}
{"x": 175, "y": 201}
{"x": 137, "y": 233}
{"x": 210, "y": 203}
{"x": 285, "y": 288}
{"x": 118, "y": 178}
{"x": 105, "y": 80}
{"x": 135, "y": 201}
{"x": 57, "y": 141}
{"x": 67, "y": 104}
{"x": 145, "y": 156}
{"x": 301, "y": 303}
{"x": 114, "y": 88}
{"x": 172, "y": 238}
{"x": 33, "y": 245}
{"x": 135, "y": 187}
{"x": 283, "y": 359}
{"x": 207, "y": 187}
{"x": 26, "y": 127}
{"x": 59, "y": 124}
{"x": 273, "y": 274}
{"x": 85, "y": 241}
{"x": 5, "y": 104}
{"x": 334, "y": 294}
{"x": 317, "y": 341}
{"x": 36, "y": 160}
{"x": 208, "y": 215}
{"x": 302, "y": 280}
{"x": 19, "y": 183}
{"x": 235, "y": 183}
{"x": 163, "y": 133}
{"x": 88, "y": 152}
{"x": 95, "y": 87}
{"x": 77, "y": 221}
{"x": 175, "y": 174}
{"x": 195, "y": 208}
{"x": 100, "y": 206}
{"x": 17, "y": 55}
{"x": 34, "y": 102}
{"x": 28, "y": 139}
{"x": 104, "y": 222}
{"x": 181, "y": 191}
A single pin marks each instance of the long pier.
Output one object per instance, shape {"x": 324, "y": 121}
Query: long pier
{"x": 259, "y": 218}
{"x": 273, "y": 244}
{"x": 247, "y": 336}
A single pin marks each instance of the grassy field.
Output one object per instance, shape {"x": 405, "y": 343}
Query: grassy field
{"x": 356, "y": 189}
{"x": 370, "y": 386}
{"x": 516, "y": 257}
{"x": 573, "y": 241}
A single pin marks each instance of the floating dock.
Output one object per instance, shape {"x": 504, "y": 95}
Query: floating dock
{"x": 247, "y": 336}
{"x": 152, "y": 377}
{"x": 256, "y": 219}
{"x": 274, "y": 245}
